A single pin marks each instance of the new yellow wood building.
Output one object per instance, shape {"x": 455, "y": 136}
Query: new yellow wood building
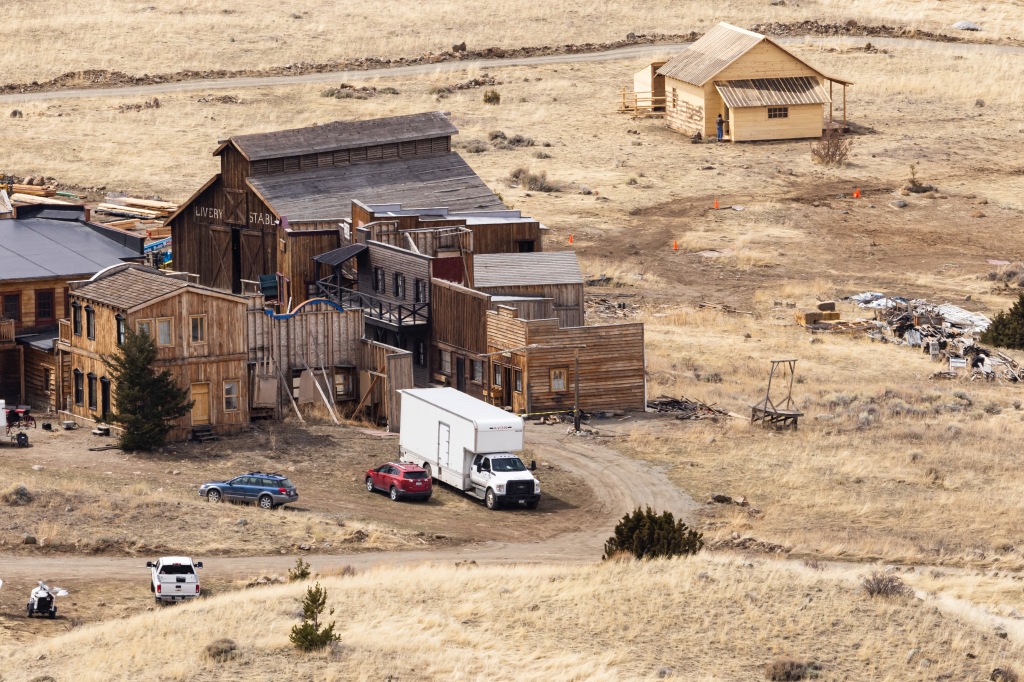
{"x": 761, "y": 90}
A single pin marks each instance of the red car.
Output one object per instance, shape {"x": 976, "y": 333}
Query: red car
{"x": 400, "y": 480}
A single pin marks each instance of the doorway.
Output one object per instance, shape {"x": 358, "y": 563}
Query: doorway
{"x": 201, "y": 404}
{"x": 460, "y": 373}
{"x": 105, "y": 398}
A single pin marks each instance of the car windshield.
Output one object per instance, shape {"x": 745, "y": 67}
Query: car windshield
{"x": 415, "y": 474}
{"x": 176, "y": 569}
{"x": 507, "y": 464}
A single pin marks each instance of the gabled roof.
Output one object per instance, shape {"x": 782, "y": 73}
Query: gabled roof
{"x": 341, "y": 135}
{"x": 771, "y": 92}
{"x": 35, "y": 248}
{"x": 327, "y": 193}
{"x": 131, "y": 286}
{"x": 717, "y": 49}
{"x": 526, "y": 269}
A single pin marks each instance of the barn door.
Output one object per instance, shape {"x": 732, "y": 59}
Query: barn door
{"x": 220, "y": 258}
{"x": 252, "y": 255}
{"x": 235, "y": 213}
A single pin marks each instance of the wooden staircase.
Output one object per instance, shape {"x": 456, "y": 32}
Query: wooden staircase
{"x": 203, "y": 433}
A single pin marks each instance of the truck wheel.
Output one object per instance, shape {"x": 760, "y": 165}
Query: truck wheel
{"x": 394, "y": 493}
{"x": 426, "y": 467}
{"x": 266, "y": 502}
{"x": 213, "y": 496}
{"x": 369, "y": 484}
{"x": 532, "y": 504}
{"x": 490, "y": 499}
{"x": 29, "y": 609}
{"x": 53, "y": 613}
{"x": 151, "y": 588}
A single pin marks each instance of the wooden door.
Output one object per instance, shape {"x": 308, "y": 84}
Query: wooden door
{"x": 251, "y": 244}
{"x": 220, "y": 258}
{"x": 460, "y": 373}
{"x": 201, "y": 406}
{"x": 235, "y": 213}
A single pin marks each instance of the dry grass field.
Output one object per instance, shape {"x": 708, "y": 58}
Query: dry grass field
{"x": 696, "y": 619}
{"x": 159, "y": 38}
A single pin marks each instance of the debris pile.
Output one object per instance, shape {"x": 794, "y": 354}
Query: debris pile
{"x": 685, "y": 408}
{"x": 137, "y": 214}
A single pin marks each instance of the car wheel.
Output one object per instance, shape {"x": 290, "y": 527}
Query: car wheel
{"x": 490, "y": 499}
{"x": 369, "y": 484}
{"x": 393, "y": 493}
{"x": 213, "y": 496}
{"x": 426, "y": 467}
{"x": 266, "y": 502}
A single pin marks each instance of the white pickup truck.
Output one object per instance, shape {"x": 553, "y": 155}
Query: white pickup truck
{"x": 174, "y": 578}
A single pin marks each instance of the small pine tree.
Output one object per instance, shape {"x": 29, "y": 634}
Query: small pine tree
{"x": 647, "y": 535}
{"x": 300, "y": 572}
{"x": 145, "y": 401}
{"x": 1007, "y": 329}
{"x": 310, "y": 634}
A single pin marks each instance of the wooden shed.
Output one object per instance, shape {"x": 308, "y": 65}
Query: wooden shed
{"x": 761, "y": 90}
{"x": 283, "y": 197}
{"x": 199, "y": 333}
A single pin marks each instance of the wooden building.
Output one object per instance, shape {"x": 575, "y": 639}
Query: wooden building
{"x": 553, "y": 275}
{"x": 199, "y": 333}
{"x": 41, "y": 251}
{"x": 283, "y": 197}
{"x": 761, "y": 90}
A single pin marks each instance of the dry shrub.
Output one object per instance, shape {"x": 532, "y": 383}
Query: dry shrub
{"x": 222, "y": 650}
{"x": 833, "y": 149}
{"x": 880, "y": 584}
{"x": 535, "y": 182}
{"x": 787, "y": 670}
{"x": 1006, "y": 674}
{"x": 492, "y": 97}
{"x": 17, "y": 495}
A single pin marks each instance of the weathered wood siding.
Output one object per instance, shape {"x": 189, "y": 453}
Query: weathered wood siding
{"x": 393, "y": 260}
{"x": 685, "y": 109}
{"x": 26, "y": 290}
{"x": 344, "y": 157}
{"x": 611, "y": 362}
{"x": 765, "y": 60}
{"x": 459, "y": 317}
{"x": 295, "y": 261}
{"x": 317, "y": 334}
{"x": 506, "y": 237}
{"x": 393, "y": 370}
{"x": 567, "y": 299}
{"x": 40, "y": 378}
{"x": 804, "y": 120}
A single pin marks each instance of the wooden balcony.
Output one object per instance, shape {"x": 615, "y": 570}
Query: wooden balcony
{"x": 64, "y": 334}
{"x": 6, "y": 332}
{"x": 387, "y": 313}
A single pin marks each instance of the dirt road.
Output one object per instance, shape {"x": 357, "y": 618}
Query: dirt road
{"x": 620, "y": 484}
{"x": 619, "y": 54}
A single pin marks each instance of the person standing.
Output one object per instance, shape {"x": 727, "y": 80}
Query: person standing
{"x": 720, "y": 122}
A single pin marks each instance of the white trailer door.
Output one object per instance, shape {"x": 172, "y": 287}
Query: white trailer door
{"x": 443, "y": 445}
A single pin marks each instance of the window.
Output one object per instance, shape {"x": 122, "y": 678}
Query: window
{"x": 67, "y": 302}
{"x": 778, "y": 112}
{"x": 144, "y": 327}
{"x": 421, "y": 291}
{"x": 675, "y": 98}
{"x": 164, "y": 337}
{"x": 198, "y": 328}
{"x": 231, "y": 395}
{"x": 44, "y": 305}
{"x": 421, "y": 353}
{"x": 90, "y": 322}
{"x": 12, "y": 307}
{"x": 477, "y": 368}
{"x": 558, "y": 379}
{"x": 92, "y": 391}
{"x": 76, "y": 317}
{"x": 399, "y": 285}
{"x": 122, "y": 329}
{"x": 446, "y": 362}
{"x": 378, "y": 280}
{"x": 519, "y": 380}
{"x": 497, "y": 375}
{"x": 343, "y": 385}
{"x": 79, "y": 388}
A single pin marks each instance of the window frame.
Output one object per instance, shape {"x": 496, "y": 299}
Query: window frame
{"x": 379, "y": 282}
{"x": 236, "y": 397}
{"x": 53, "y": 305}
{"x": 201, "y": 319}
{"x": 476, "y": 371}
{"x": 16, "y": 297}
{"x": 675, "y": 98}
{"x": 170, "y": 332}
{"x": 92, "y": 391}
{"x": 421, "y": 353}
{"x": 420, "y": 291}
{"x": 121, "y": 327}
{"x": 517, "y": 379}
{"x": 565, "y": 379}
{"x": 90, "y": 323}
{"x": 778, "y": 112}
{"x": 398, "y": 285}
{"x": 78, "y": 387}
{"x": 76, "y": 318}
{"x": 148, "y": 323}
{"x": 446, "y": 362}
{"x": 496, "y": 372}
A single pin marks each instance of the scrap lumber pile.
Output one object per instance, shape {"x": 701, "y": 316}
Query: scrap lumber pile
{"x": 33, "y": 190}
{"x": 686, "y": 408}
{"x": 825, "y": 318}
{"x": 138, "y": 214}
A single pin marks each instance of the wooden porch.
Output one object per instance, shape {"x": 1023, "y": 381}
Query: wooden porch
{"x": 642, "y": 104}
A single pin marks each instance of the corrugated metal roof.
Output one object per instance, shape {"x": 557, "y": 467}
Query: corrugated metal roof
{"x": 771, "y": 92}
{"x": 336, "y": 257}
{"x": 33, "y": 248}
{"x": 526, "y": 269}
{"x": 129, "y": 287}
{"x": 343, "y": 135}
{"x": 421, "y": 182}
{"x": 716, "y": 49}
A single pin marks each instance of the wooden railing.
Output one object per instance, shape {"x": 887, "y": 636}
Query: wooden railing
{"x": 64, "y": 332}
{"x": 398, "y": 314}
{"x": 6, "y": 330}
{"x": 642, "y": 103}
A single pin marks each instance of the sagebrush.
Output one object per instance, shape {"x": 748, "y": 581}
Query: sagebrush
{"x": 833, "y": 149}
{"x": 646, "y": 535}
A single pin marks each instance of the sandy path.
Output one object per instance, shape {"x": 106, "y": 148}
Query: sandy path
{"x": 619, "y": 54}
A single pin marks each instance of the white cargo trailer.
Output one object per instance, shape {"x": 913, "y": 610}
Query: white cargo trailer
{"x": 467, "y": 443}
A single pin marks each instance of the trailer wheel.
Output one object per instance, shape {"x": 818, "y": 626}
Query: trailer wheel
{"x": 426, "y": 467}
{"x": 490, "y": 499}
